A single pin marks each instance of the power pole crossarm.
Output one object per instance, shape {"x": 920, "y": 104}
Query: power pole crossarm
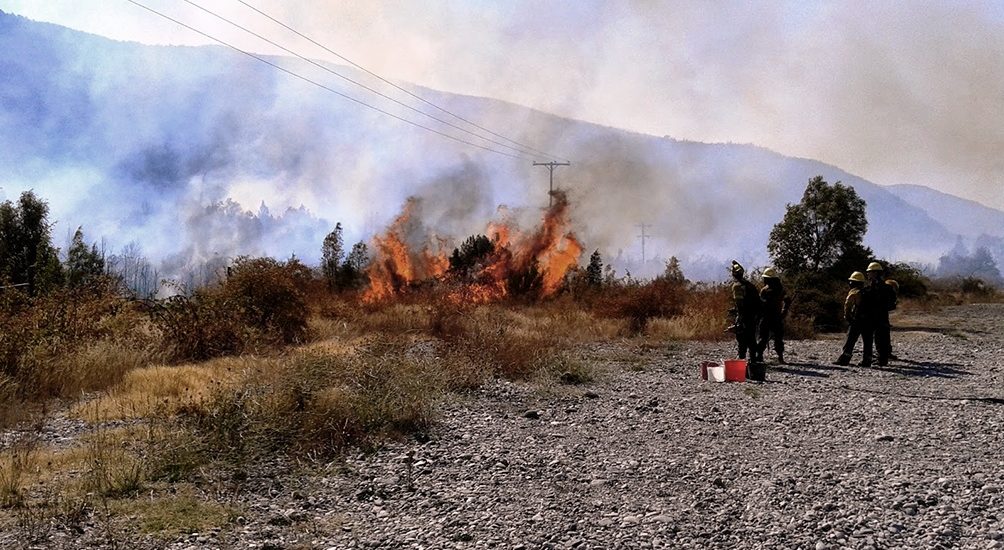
{"x": 550, "y": 168}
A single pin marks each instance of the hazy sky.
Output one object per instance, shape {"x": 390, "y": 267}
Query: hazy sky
{"x": 897, "y": 92}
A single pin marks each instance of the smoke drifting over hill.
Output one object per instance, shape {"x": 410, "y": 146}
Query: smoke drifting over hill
{"x": 898, "y": 92}
{"x": 200, "y": 153}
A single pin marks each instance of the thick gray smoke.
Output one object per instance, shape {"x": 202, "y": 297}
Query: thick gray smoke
{"x": 199, "y": 153}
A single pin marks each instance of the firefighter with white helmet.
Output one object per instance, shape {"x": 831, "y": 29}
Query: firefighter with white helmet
{"x": 857, "y": 312}
{"x": 775, "y": 303}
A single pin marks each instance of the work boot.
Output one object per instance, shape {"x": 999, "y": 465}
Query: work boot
{"x": 780, "y": 358}
{"x": 843, "y": 360}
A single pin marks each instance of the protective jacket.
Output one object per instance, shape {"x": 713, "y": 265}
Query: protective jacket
{"x": 775, "y": 300}
{"x": 854, "y": 306}
{"x": 746, "y": 297}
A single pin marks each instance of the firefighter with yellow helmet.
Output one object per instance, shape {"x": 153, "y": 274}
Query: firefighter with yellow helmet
{"x": 860, "y": 321}
{"x": 775, "y": 303}
{"x": 883, "y": 296}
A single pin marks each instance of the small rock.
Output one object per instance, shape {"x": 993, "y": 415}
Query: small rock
{"x": 531, "y": 414}
{"x": 884, "y": 438}
{"x": 591, "y": 395}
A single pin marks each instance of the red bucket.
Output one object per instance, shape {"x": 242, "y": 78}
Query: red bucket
{"x": 735, "y": 370}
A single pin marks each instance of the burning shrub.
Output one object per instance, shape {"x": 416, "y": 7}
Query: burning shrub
{"x": 488, "y": 269}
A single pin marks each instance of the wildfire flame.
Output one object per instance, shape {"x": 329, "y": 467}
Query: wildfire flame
{"x": 395, "y": 265}
{"x": 549, "y": 251}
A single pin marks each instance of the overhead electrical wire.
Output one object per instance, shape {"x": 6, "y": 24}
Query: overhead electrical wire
{"x": 395, "y": 85}
{"x": 322, "y": 86}
{"x": 357, "y": 83}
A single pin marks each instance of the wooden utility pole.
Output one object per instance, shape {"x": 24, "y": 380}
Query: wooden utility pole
{"x": 550, "y": 168}
{"x": 643, "y": 236}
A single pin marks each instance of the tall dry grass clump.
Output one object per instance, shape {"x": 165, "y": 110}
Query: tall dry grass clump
{"x": 260, "y": 305}
{"x": 638, "y": 303}
{"x": 319, "y": 403}
{"x": 66, "y": 342}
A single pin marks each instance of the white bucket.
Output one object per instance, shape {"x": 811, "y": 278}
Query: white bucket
{"x": 716, "y": 373}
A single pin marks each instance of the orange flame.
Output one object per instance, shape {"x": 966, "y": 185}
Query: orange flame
{"x": 552, "y": 249}
{"x": 395, "y": 265}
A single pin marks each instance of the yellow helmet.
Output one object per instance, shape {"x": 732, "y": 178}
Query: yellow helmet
{"x": 737, "y": 268}
{"x": 770, "y": 273}
{"x": 857, "y": 276}
{"x": 875, "y": 266}
{"x": 893, "y": 284}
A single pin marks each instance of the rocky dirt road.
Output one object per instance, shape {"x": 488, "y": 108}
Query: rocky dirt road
{"x": 649, "y": 456}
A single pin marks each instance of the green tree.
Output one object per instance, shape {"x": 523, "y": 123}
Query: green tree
{"x": 331, "y": 255}
{"x": 674, "y": 273}
{"x": 594, "y": 271}
{"x": 27, "y": 256}
{"x": 471, "y": 251}
{"x": 353, "y": 271}
{"x": 83, "y": 264}
{"x": 824, "y": 229}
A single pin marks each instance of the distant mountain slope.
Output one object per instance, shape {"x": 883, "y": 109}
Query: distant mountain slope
{"x": 965, "y": 217}
{"x": 146, "y": 143}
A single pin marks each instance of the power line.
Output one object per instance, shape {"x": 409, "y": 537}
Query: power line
{"x": 322, "y": 86}
{"x": 356, "y": 82}
{"x": 391, "y": 83}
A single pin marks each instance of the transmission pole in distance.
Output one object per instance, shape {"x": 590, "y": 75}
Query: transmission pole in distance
{"x": 643, "y": 236}
{"x": 550, "y": 168}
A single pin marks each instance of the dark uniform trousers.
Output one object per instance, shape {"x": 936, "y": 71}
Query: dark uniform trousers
{"x": 883, "y": 342}
{"x": 865, "y": 331}
{"x": 746, "y": 336}
{"x": 771, "y": 327}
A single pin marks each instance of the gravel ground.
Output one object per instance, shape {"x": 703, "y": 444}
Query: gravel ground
{"x": 649, "y": 456}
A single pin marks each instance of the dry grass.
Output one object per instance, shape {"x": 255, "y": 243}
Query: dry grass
{"x": 165, "y": 389}
{"x": 396, "y": 319}
{"x": 169, "y": 516}
{"x": 312, "y": 401}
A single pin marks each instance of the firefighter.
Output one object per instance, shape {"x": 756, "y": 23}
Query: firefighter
{"x": 746, "y": 298}
{"x": 883, "y": 297}
{"x": 859, "y": 319}
{"x": 895, "y": 302}
{"x": 775, "y": 303}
